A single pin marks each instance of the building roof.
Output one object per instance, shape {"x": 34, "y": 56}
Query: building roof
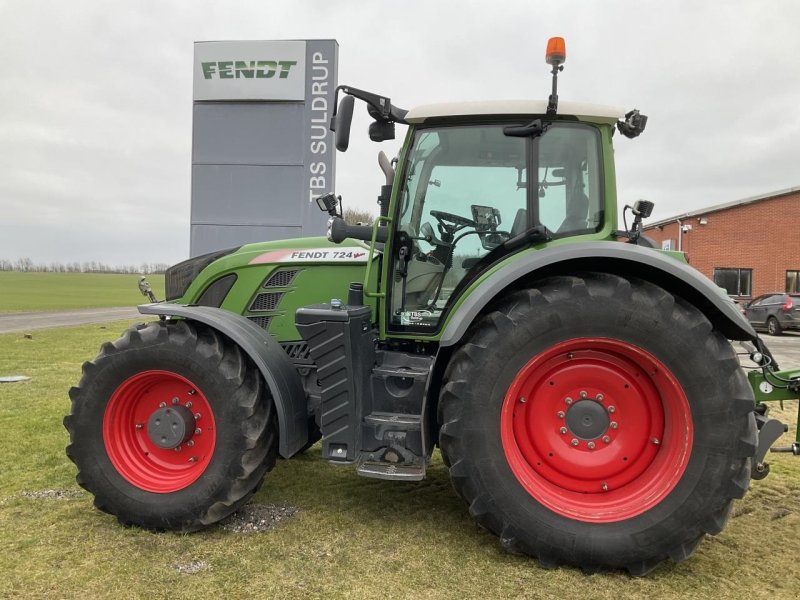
{"x": 724, "y": 206}
{"x": 593, "y": 112}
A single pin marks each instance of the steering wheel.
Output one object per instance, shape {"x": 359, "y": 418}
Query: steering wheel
{"x": 454, "y": 219}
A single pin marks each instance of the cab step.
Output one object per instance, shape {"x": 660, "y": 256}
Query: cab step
{"x": 385, "y": 470}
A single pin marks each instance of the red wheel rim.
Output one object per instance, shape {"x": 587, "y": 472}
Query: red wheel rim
{"x": 596, "y": 429}
{"x": 132, "y": 450}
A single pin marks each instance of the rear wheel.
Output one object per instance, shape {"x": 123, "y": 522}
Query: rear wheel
{"x": 171, "y": 427}
{"x": 773, "y": 327}
{"x": 599, "y": 422}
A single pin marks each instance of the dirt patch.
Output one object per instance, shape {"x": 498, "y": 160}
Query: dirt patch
{"x": 255, "y": 518}
{"x": 190, "y": 568}
{"x": 50, "y": 494}
{"x": 779, "y": 513}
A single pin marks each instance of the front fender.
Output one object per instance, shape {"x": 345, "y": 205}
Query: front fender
{"x": 278, "y": 371}
{"x": 622, "y": 259}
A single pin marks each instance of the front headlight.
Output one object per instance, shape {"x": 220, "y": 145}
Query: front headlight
{"x": 178, "y": 278}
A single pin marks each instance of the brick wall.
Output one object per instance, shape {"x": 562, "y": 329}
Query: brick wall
{"x": 763, "y": 236}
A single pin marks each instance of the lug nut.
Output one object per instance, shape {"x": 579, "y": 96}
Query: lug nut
{"x": 196, "y": 416}
{"x": 175, "y": 400}
{"x": 188, "y": 405}
{"x": 568, "y": 400}
{"x": 563, "y": 430}
{"x": 606, "y": 439}
{"x": 177, "y": 448}
{"x": 197, "y": 431}
{"x": 600, "y": 397}
{"x": 162, "y": 405}
{"x": 560, "y": 414}
{"x": 574, "y": 442}
{"x": 613, "y": 425}
{"x": 584, "y": 394}
{"x": 611, "y": 408}
{"x": 190, "y": 443}
{"x": 590, "y": 445}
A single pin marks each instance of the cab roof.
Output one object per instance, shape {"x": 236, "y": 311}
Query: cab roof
{"x": 588, "y": 112}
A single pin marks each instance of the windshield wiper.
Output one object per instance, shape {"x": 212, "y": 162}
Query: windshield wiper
{"x": 533, "y": 129}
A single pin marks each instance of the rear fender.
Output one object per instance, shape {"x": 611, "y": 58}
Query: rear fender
{"x": 626, "y": 260}
{"x": 278, "y": 371}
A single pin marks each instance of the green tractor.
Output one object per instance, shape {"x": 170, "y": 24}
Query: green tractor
{"x": 581, "y": 386}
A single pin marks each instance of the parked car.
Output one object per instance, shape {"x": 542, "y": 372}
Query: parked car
{"x": 775, "y": 312}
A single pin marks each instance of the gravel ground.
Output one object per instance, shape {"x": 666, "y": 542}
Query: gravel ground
{"x": 51, "y": 494}
{"x": 255, "y": 518}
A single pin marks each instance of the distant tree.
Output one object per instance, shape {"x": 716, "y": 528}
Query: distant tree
{"x": 353, "y": 216}
{"x": 24, "y": 264}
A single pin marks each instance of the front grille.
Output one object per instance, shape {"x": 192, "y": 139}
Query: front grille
{"x": 262, "y": 322}
{"x": 297, "y": 350}
{"x": 178, "y": 278}
{"x": 268, "y": 301}
{"x": 281, "y": 278}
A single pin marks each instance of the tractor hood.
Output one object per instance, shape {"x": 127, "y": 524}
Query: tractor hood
{"x": 187, "y": 281}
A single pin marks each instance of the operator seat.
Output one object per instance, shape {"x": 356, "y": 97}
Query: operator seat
{"x": 577, "y": 213}
{"x": 520, "y": 223}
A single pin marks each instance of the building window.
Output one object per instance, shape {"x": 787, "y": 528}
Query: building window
{"x": 793, "y": 282}
{"x": 737, "y": 282}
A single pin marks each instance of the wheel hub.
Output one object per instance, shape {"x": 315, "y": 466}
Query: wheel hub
{"x": 170, "y": 426}
{"x": 596, "y": 429}
{"x": 587, "y": 420}
{"x": 159, "y": 431}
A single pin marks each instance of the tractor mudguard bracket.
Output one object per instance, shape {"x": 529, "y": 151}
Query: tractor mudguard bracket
{"x": 278, "y": 371}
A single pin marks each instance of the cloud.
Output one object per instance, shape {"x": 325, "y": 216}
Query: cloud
{"x": 95, "y": 107}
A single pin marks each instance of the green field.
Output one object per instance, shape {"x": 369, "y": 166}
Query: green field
{"x": 351, "y": 537}
{"x": 61, "y": 291}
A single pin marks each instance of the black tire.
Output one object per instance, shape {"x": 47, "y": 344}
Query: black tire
{"x": 774, "y": 327}
{"x": 226, "y": 462}
{"x": 639, "y": 318}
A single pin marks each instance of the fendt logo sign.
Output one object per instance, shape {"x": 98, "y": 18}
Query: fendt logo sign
{"x": 259, "y": 69}
{"x": 265, "y": 70}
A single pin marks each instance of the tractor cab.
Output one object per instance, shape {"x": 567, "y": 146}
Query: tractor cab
{"x": 476, "y": 183}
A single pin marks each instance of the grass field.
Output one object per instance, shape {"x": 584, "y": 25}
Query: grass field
{"x": 56, "y": 291}
{"x": 351, "y": 537}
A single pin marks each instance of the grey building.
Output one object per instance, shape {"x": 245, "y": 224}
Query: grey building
{"x": 261, "y": 148}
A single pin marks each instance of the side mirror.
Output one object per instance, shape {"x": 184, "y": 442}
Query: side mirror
{"x": 380, "y": 131}
{"x": 342, "y": 122}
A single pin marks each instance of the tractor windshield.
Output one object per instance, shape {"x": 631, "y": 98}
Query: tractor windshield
{"x": 467, "y": 190}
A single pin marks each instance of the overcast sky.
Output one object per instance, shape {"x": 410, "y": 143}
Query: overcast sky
{"x": 96, "y": 99}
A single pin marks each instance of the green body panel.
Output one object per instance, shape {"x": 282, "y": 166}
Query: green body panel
{"x": 779, "y": 394}
{"x": 325, "y": 274}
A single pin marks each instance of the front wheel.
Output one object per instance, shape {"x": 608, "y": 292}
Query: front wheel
{"x": 171, "y": 427}
{"x": 773, "y": 327}
{"x": 599, "y": 422}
